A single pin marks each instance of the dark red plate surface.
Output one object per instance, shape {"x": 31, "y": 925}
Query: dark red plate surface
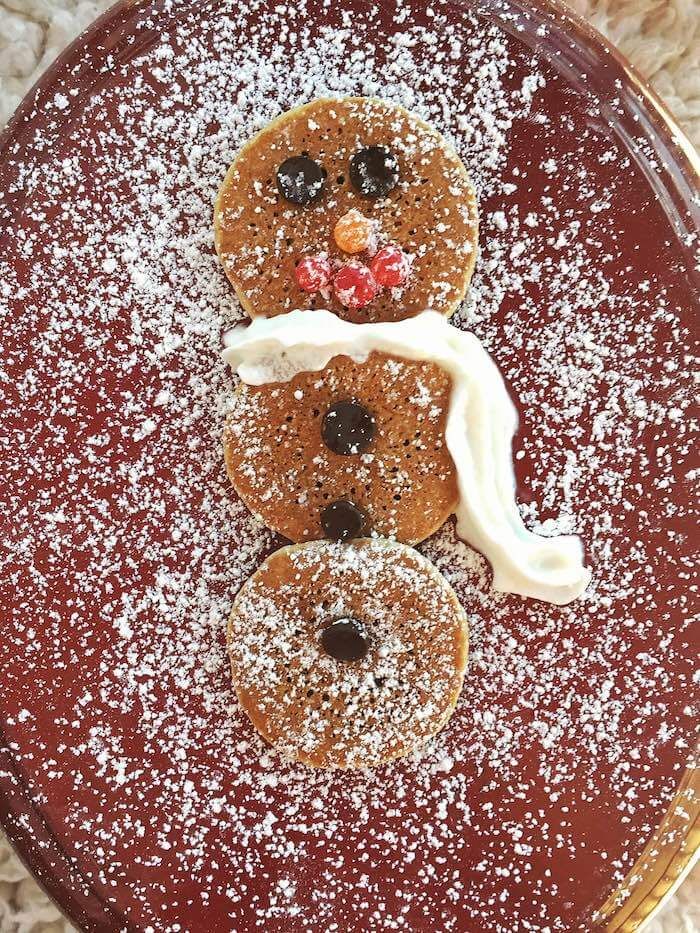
{"x": 130, "y": 782}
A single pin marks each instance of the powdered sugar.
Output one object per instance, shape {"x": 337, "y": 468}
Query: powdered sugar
{"x": 124, "y": 546}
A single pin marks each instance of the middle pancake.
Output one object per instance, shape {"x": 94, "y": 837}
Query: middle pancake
{"x": 356, "y": 448}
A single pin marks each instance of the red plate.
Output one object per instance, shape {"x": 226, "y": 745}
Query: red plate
{"x": 130, "y": 782}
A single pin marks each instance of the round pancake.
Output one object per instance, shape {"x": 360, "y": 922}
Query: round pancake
{"x": 431, "y": 214}
{"x": 404, "y": 482}
{"x": 332, "y": 713}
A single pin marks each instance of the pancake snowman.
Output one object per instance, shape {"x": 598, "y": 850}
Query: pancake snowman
{"x": 348, "y": 229}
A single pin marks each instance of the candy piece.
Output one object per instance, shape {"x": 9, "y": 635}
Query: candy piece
{"x": 313, "y": 273}
{"x": 354, "y": 232}
{"x": 374, "y": 171}
{"x": 348, "y": 428}
{"x": 355, "y": 286}
{"x": 391, "y": 266}
{"x": 300, "y": 180}
{"x": 342, "y": 520}
{"x": 345, "y": 640}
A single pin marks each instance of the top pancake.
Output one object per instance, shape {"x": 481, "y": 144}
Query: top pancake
{"x": 431, "y": 213}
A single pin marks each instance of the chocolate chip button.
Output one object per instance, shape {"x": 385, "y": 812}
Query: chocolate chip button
{"x": 374, "y": 171}
{"x": 342, "y": 520}
{"x": 348, "y": 428}
{"x": 345, "y": 640}
{"x": 300, "y": 180}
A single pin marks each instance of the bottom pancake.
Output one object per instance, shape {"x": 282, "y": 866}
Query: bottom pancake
{"x": 347, "y": 655}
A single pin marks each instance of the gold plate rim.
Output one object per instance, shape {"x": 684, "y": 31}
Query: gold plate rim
{"x": 667, "y": 859}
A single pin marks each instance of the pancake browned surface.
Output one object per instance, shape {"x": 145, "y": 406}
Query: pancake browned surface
{"x": 347, "y": 714}
{"x": 405, "y": 482}
{"x": 431, "y": 213}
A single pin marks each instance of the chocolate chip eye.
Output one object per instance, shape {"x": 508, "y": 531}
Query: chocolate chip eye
{"x": 347, "y": 428}
{"x": 345, "y": 640}
{"x": 342, "y": 520}
{"x": 374, "y": 171}
{"x": 300, "y": 180}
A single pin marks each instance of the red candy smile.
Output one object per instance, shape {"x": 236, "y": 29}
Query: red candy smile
{"x": 313, "y": 273}
{"x": 355, "y": 286}
{"x": 391, "y": 266}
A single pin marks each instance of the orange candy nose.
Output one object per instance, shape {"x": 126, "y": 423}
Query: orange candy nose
{"x": 354, "y": 232}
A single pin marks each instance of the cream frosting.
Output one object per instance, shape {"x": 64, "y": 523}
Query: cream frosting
{"x": 481, "y": 422}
